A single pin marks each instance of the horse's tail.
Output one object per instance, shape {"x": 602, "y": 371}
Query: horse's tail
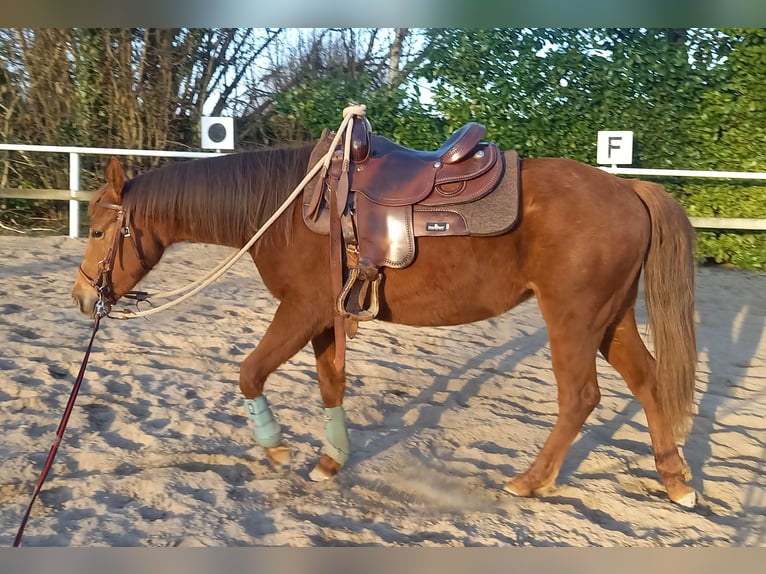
{"x": 669, "y": 289}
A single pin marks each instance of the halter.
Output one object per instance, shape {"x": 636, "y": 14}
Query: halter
{"x": 103, "y": 282}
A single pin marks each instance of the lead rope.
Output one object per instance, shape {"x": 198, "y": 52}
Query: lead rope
{"x": 193, "y": 288}
{"x": 59, "y": 435}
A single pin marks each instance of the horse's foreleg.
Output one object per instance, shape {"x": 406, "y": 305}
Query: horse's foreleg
{"x": 573, "y": 354}
{"x": 332, "y": 385}
{"x": 623, "y": 348}
{"x": 287, "y": 334}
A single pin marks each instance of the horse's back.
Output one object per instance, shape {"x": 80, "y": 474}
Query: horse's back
{"x": 570, "y": 193}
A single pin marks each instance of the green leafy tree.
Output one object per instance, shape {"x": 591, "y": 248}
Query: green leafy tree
{"x": 728, "y": 132}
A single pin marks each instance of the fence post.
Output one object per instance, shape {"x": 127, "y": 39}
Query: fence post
{"x": 74, "y": 185}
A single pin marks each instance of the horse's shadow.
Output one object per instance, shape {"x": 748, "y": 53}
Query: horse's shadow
{"x": 426, "y": 409}
{"x": 728, "y": 346}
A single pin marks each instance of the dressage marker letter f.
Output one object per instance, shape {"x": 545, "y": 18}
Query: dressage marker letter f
{"x": 615, "y": 147}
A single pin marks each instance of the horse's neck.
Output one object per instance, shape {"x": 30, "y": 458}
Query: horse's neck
{"x": 199, "y": 228}
{"x": 222, "y": 211}
{"x": 193, "y": 234}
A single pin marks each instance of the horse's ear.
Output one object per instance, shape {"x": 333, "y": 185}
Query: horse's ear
{"x": 115, "y": 176}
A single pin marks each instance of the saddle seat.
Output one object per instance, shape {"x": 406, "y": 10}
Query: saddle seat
{"x": 453, "y": 150}
{"x": 396, "y": 175}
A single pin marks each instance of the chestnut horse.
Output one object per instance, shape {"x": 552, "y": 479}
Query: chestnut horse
{"x": 582, "y": 242}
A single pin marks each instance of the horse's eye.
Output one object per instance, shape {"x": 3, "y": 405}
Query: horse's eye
{"x": 96, "y": 234}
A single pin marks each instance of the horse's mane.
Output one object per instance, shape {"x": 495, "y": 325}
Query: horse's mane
{"x": 224, "y": 198}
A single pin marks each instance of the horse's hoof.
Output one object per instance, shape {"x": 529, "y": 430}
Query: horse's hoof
{"x": 325, "y": 469}
{"x": 520, "y": 487}
{"x": 279, "y": 456}
{"x": 688, "y": 500}
{"x": 514, "y": 489}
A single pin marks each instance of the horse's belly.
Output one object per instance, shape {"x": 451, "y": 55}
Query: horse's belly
{"x": 454, "y": 281}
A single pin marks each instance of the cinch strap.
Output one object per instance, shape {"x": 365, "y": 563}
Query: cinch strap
{"x": 266, "y": 429}
{"x": 337, "y": 445}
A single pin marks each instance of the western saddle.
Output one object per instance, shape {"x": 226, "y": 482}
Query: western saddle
{"x": 377, "y": 199}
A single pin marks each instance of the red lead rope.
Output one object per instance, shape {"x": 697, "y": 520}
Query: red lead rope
{"x": 59, "y": 434}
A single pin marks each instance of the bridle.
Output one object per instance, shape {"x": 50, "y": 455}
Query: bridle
{"x": 102, "y": 283}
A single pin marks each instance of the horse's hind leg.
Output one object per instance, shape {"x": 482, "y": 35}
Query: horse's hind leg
{"x": 623, "y": 348}
{"x": 573, "y": 354}
{"x": 332, "y": 385}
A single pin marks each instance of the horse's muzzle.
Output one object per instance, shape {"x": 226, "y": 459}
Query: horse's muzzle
{"x": 86, "y": 298}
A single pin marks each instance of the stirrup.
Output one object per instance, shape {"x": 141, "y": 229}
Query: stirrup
{"x": 352, "y": 298}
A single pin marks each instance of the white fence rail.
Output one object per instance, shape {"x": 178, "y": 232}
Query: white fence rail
{"x": 727, "y": 223}
{"x": 74, "y": 167}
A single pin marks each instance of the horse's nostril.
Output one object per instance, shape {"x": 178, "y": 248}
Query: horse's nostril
{"x": 84, "y": 303}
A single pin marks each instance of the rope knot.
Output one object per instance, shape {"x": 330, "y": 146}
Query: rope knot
{"x": 355, "y": 109}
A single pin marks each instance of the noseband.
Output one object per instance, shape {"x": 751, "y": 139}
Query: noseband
{"x": 103, "y": 281}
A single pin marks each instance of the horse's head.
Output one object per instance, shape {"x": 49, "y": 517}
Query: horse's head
{"x": 118, "y": 253}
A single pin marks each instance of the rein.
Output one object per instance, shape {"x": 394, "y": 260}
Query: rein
{"x": 59, "y": 434}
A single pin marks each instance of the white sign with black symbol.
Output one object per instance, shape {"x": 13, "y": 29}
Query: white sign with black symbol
{"x": 217, "y": 133}
{"x": 615, "y": 148}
